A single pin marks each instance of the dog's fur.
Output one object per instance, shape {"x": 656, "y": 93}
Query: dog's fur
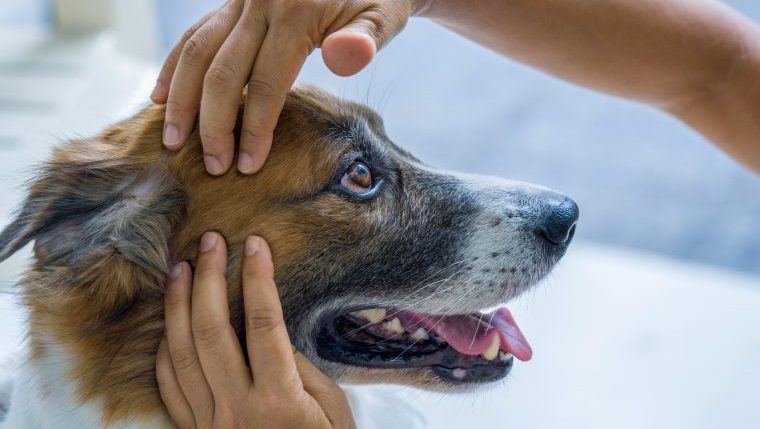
{"x": 110, "y": 214}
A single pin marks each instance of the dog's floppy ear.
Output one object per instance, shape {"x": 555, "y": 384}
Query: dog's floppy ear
{"x": 17, "y": 234}
{"x": 79, "y": 208}
{"x": 44, "y": 207}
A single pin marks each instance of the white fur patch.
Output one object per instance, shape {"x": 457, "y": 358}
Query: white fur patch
{"x": 42, "y": 398}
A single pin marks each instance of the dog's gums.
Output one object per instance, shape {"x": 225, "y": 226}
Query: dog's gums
{"x": 469, "y": 348}
{"x": 371, "y": 248}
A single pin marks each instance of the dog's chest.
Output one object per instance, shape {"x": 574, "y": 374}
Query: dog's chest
{"x": 42, "y": 397}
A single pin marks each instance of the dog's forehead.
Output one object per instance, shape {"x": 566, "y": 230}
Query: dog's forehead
{"x": 344, "y": 121}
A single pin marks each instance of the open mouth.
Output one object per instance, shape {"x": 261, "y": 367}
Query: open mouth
{"x": 463, "y": 348}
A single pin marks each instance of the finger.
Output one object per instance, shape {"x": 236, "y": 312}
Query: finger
{"x": 222, "y": 89}
{"x": 179, "y": 335}
{"x": 161, "y": 90}
{"x": 274, "y": 72}
{"x": 269, "y": 347}
{"x": 330, "y": 397}
{"x": 170, "y": 390}
{"x": 314, "y": 380}
{"x": 218, "y": 348}
{"x": 186, "y": 85}
{"x": 349, "y": 49}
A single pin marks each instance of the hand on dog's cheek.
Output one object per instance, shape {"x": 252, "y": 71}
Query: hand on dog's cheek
{"x": 202, "y": 375}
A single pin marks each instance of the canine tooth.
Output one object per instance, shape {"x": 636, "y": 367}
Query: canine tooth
{"x": 419, "y": 335}
{"x": 493, "y": 350}
{"x": 372, "y": 315}
{"x": 394, "y": 326}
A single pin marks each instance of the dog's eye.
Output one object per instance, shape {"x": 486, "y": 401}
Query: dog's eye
{"x": 357, "y": 178}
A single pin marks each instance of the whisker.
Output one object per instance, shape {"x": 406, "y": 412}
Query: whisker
{"x": 462, "y": 298}
{"x": 475, "y": 334}
{"x": 410, "y": 306}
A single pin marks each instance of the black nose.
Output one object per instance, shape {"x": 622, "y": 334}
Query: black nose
{"x": 558, "y": 217}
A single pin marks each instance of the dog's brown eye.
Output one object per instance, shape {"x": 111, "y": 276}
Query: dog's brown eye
{"x": 358, "y": 178}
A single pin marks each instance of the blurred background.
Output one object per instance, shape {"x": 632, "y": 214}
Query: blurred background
{"x": 653, "y": 320}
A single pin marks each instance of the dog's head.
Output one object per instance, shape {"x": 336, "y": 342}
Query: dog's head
{"x": 384, "y": 264}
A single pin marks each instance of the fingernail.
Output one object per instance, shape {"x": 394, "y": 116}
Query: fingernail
{"x": 176, "y": 271}
{"x": 171, "y": 136}
{"x": 245, "y": 163}
{"x": 156, "y": 90}
{"x": 252, "y": 245}
{"x": 213, "y": 165}
{"x": 208, "y": 241}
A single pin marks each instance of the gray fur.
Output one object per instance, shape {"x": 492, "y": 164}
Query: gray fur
{"x": 434, "y": 241}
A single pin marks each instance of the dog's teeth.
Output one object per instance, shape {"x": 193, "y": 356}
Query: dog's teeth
{"x": 493, "y": 350}
{"x": 372, "y": 315}
{"x": 394, "y": 326}
{"x": 419, "y": 335}
{"x": 504, "y": 356}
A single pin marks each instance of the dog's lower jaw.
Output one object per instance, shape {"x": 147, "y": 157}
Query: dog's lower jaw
{"x": 44, "y": 397}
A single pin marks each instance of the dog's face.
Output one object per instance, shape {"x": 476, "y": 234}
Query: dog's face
{"x": 359, "y": 224}
{"x": 383, "y": 263}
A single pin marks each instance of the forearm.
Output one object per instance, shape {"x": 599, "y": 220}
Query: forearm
{"x": 729, "y": 113}
{"x": 668, "y": 53}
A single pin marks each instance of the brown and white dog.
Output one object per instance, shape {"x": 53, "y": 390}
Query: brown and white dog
{"x": 384, "y": 264}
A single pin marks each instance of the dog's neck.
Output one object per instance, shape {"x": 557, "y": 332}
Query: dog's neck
{"x": 44, "y": 396}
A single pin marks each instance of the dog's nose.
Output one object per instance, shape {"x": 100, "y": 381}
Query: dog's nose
{"x": 558, "y": 218}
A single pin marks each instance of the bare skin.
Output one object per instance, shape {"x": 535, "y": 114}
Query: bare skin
{"x": 262, "y": 44}
{"x": 697, "y": 59}
{"x": 202, "y": 374}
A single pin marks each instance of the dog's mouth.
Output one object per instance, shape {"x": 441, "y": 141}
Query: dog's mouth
{"x": 463, "y": 348}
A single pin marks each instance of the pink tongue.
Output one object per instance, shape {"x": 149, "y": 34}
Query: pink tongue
{"x": 471, "y": 335}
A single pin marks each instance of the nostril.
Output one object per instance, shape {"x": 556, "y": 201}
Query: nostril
{"x": 558, "y": 224}
{"x": 558, "y": 236}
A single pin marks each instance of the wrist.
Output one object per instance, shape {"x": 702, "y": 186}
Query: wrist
{"x": 423, "y": 8}
{"x": 727, "y": 109}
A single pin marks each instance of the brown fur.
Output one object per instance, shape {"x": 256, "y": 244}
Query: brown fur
{"x": 110, "y": 215}
{"x": 113, "y": 324}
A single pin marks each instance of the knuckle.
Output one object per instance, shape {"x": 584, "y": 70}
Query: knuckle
{"x": 189, "y": 32}
{"x": 262, "y": 86}
{"x": 220, "y": 77}
{"x": 208, "y": 270}
{"x": 262, "y": 321}
{"x": 195, "y": 49}
{"x": 377, "y": 25}
{"x": 183, "y": 359}
{"x": 252, "y": 134}
{"x": 170, "y": 62}
{"x": 207, "y": 331}
{"x": 211, "y": 145}
{"x": 174, "y": 298}
{"x": 176, "y": 105}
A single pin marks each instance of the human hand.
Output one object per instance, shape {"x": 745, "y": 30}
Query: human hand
{"x": 202, "y": 375}
{"x": 262, "y": 44}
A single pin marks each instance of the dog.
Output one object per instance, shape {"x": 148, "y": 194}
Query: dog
{"x": 384, "y": 264}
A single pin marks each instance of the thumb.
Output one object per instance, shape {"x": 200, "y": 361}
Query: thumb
{"x": 330, "y": 397}
{"x": 348, "y": 50}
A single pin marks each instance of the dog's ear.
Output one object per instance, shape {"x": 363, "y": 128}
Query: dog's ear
{"x": 80, "y": 207}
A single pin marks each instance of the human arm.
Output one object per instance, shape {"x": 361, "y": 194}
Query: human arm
{"x": 697, "y": 59}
